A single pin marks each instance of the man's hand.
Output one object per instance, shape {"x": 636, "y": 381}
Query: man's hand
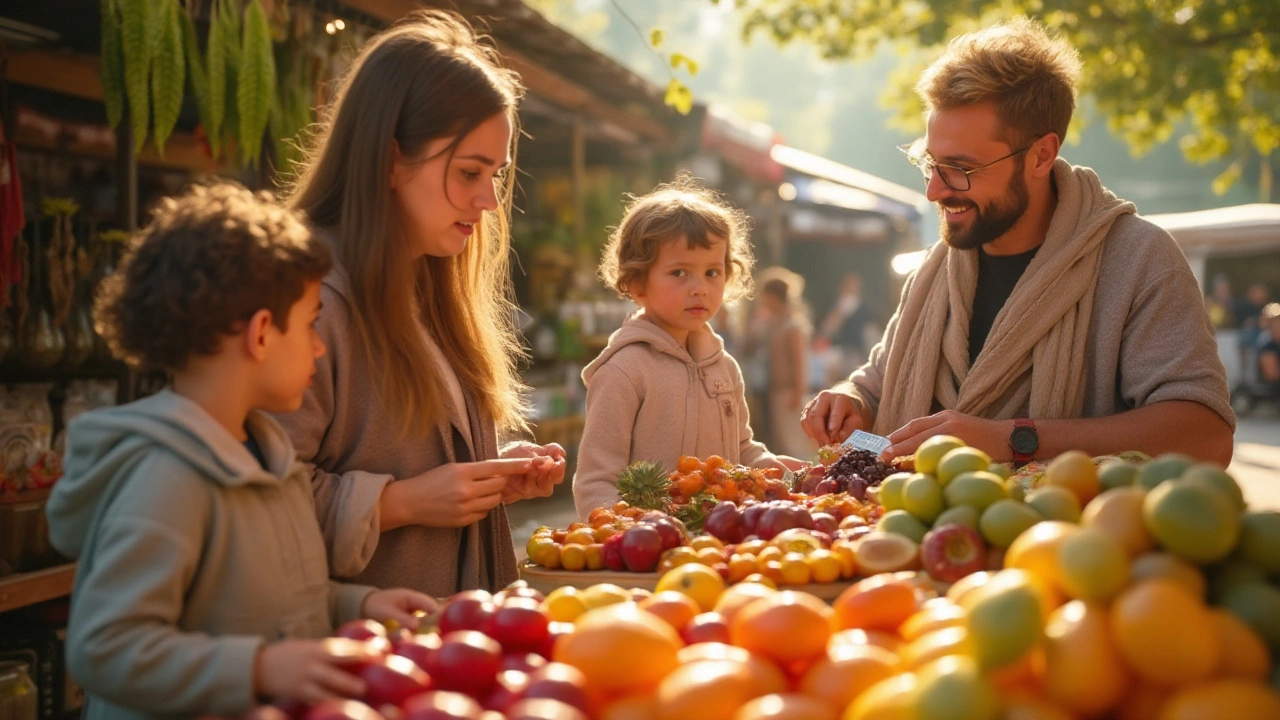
{"x": 399, "y": 604}
{"x": 546, "y": 472}
{"x": 833, "y": 416}
{"x": 989, "y": 436}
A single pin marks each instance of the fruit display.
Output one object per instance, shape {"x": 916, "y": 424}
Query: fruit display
{"x": 696, "y": 486}
{"x": 846, "y": 470}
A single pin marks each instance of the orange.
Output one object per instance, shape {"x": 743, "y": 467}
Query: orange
{"x": 788, "y": 706}
{"x": 677, "y": 609}
{"x": 697, "y": 581}
{"x": 1037, "y": 551}
{"x": 580, "y": 536}
{"x": 1144, "y": 702}
{"x": 1075, "y": 471}
{"x": 1165, "y": 634}
{"x": 952, "y": 687}
{"x": 878, "y": 638}
{"x": 595, "y": 556}
{"x": 848, "y": 559}
{"x": 620, "y": 647}
{"x": 877, "y": 603}
{"x": 786, "y": 626}
{"x": 740, "y": 566}
{"x": 934, "y": 614}
{"x": 1223, "y": 699}
{"x": 706, "y": 541}
{"x": 968, "y": 584}
{"x": 845, "y": 671}
{"x": 1083, "y": 670}
{"x": 795, "y": 571}
{"x": 738, "y": 596}
{"x": 633, "y": 707}
{"x": 1026, "y": 706}
{"x": 1024, "y": 676}
{"x": 824, "y": 566}
{"x": 1092, "y": 565}
{"x": 1118, "y": 513}
{"x": 573, "y": 556}
{"x": 893, "y": 698}
{"x": 564, "y": 604}
{"x": 543, "y": 551}
{"x": 937, "y": 644}
{"x": 706, "y": 690}
{"x": 1244, "y": 655}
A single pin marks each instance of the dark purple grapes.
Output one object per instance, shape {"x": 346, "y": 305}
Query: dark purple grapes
{"x": 858, "y": 470}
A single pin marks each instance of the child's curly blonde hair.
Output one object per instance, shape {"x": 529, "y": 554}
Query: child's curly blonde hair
{"x": 683, "y": 208}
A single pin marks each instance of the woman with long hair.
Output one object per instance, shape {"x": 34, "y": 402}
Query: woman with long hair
{"x": 409, "y": 178}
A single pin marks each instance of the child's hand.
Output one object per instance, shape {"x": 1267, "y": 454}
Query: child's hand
{"x": 310, "y": 671}
{"x": 399, "y": 604}
{"x": 541, "y": 480}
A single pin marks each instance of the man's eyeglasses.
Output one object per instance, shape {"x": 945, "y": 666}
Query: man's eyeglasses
{"x": 953, "y": 176}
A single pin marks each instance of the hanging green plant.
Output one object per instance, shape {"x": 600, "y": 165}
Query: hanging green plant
{"x": 199, "y": 81}
{"x": 111, "y": 67}
{"x": 256, "y": 81}
{"x": 135, "y": 31}
{"x": 168, "y": 72}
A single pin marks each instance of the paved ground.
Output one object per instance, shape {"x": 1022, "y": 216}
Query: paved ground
{"x": 1256, "y": 466}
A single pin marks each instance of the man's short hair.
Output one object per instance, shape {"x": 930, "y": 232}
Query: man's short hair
{"x": 209, "y": 260}
{"x": 1029, "y": 76}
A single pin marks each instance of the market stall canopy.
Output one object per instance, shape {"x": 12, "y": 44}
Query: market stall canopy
{"x": 827, "y": 182}
{"x": 1236, "y": 230}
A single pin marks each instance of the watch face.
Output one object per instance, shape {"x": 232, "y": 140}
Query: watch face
{"x": 1024, "y": 440}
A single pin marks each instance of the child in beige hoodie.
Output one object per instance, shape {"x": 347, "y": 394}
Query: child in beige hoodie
{"x": 664, "y": 386}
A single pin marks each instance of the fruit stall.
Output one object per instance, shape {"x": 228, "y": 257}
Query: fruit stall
{"x": 939, "y": 586}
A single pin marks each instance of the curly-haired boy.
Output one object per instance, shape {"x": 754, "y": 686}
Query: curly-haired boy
{"x": 202, "y": 580}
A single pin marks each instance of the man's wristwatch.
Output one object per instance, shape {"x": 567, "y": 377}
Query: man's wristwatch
{"x": 1024, "y": 440}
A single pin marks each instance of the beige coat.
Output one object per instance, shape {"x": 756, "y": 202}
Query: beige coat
{"x": 648, "y": 398}
{"x": 191, "y": 556}
{"x": 345, "y": 434}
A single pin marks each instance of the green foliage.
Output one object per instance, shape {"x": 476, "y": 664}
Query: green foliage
{"x": 1152, "y": 67}
{"x": 199, "y": 80}
{"x": 111, "y": 67}
{"x": 135, "y": 31}
{"x": 168, "y": 71}
{"x": 256, "y": 81}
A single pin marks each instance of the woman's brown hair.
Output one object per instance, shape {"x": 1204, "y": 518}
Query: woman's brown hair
{"x": 429, "y": 76}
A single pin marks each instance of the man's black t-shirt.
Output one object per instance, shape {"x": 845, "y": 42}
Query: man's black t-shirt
{"x": 997, "y": 276}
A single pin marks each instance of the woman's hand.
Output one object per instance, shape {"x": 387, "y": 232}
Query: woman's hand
{"x": 792, "y": 464}
{"x": 399, "y": 604}
{"x": 546, "y": 472}
{"x": 453, "y": 495}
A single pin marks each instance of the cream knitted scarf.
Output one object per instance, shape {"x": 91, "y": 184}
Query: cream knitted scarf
{"x": 1035, "y": 354}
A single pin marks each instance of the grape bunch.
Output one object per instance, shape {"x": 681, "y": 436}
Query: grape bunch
{"x": 858, "y": 470}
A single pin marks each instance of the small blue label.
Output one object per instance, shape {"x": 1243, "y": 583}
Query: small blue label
{"x": 872, "y": 443}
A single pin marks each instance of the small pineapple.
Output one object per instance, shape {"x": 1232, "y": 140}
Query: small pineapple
{"x": 645, "y": 484}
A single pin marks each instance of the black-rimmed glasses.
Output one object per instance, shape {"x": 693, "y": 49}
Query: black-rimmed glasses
{"x": 953, "y": 176}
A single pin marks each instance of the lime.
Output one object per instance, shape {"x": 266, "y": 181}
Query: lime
{"x": 891, "y": 491}
{"x": 958, "y": 515}
{"x": 1004, "y": 619}
{"x": 1094, "y": 565}
{"x": 903, "y": 523}
{"x": 1217, "y": 478}
{"x": 1192, "y": 520}
{"x": 1260, "y": 539}
{"x": 1004, "y": 520}
{"x": 932, "y": 450}
{"x": 922, "y": 496}
{"x": 975, "y": 489}
{"x": 961, "y": 460}
{"x": 1055, "y": 503}
{"x": 1117, "y": 473}
{"x": 1164, "y": 467}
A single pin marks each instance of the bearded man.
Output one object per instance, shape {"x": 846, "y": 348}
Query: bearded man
{"x": 1051, "y": 317}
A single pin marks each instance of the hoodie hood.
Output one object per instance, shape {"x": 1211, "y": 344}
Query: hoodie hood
{"x": 104, "y": 444}
{"x": 705, "y": 346}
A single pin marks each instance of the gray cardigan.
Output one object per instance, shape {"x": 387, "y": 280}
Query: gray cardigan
{"x": 345, "y": 434}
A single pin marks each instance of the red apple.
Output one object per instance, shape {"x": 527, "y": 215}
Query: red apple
{"x": 419, "y": 648}
{"x": 519, "y": 588}
{"x": 751, "y": 519}
{"x": 726, "y": 523}
{"x": 361, "y": 630}
{"x": 519, "y": 625}
{"x": 559, "y": 681}
{"x": 825, "y": 522}
{"x": 952, "y": 551}
{"x": 343, "y": 710}
{"x": 641, "y": 548}
{"x": 826, "y": 486}
{"x": 441, "y": 705}
{"x": 775, "y": 520}
{"x": 611, "y": 553}
{"x": 544, "y": 709}
{"x": 295, "y": 709}
{"x": 393, "y": 679}
{"x": 468, "y": 610}
{"x": 555, "y": 631}
{"x": 523, "y": 661}
{"x": 706, "y": 627}
{"x": 508, "y": 690}
{"x": 671, "y": 535}
{"x": 466, "y": 662}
